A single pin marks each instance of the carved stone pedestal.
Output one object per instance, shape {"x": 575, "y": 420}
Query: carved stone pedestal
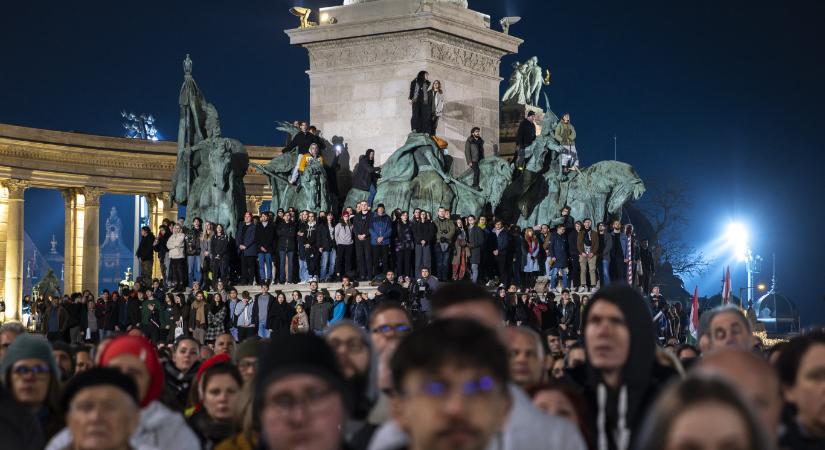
{"x": 361, "y": 66}
{"x": 509, "y": 119}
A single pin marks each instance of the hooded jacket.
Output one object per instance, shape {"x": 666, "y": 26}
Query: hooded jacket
{"x": 617, "y": 413}
{"x": 364, "y": 174}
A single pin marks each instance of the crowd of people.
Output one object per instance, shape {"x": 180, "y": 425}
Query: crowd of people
{"x": 464, "y": 373}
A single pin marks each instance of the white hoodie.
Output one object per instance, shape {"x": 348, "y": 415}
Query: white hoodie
{"x": 159, "y": 428}
{"x": 526, "y": 428}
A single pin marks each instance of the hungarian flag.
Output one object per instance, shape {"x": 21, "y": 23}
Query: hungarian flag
{"x": 693, "y": 337}
{"x": 726, "y": 287}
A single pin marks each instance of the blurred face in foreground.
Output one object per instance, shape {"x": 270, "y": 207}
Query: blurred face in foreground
{"x": 302, "y": 412}
{"x": 607, "y": 338}
{"x": 352, "y": 352}
{"x": 102, "y": 417}
{"x": 387, "y": 327}
{"x": 456, "y": 408}
{"x": 720, "y": 425}
{"x": 808, "y": 392}
{"x": 555, "y": 403}
{"x": 30, "y": 380}
{"x": 526, "y": 360}
{"x": 727, "y": 329}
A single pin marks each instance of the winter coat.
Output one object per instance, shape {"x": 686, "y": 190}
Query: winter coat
{"x": 473, "y": 150}
{"x": 62, "y": 318}
{"x": 476, "y": 243}
{"x": 365, "y": 174}
{"x": 265, "y": 237}
{"x": 380, "y": 226}
{"x": 219, "y": 247}
{"x": 145, "y": 252}
{"x": 445, "y": 231}
{"x": 423, "y": 231}
{"x": 279, "y": 317}
{"x": 502, "y": 241}
{"x": 246, "y": 237}
{"x": 325, "y": 238}
{"x": 192, "y": 241}
{"x": 319, "y": 316}
{"x": 361, "y": 224}
{"x": 404, "y": 239}
{"x": 359, "y": 312}
{"x": 287, "y": 234}
{"x": 565, "y": 133}
{"x": 558, "y": 250}
{"x": 159, "y": 427}
{"x": 606, "y": 243}
{"x": 526, "y": 133}
{"x": 572, "y": 244}
{"x": 530, "y": 259}
{"x": 175, "y": 244}
{"x": 594, "y": 241}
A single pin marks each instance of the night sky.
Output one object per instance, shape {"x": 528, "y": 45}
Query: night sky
{"x": 725, "y": 95}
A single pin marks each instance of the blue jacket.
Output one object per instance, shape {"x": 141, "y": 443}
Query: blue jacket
{"x": 339, "y": 311}
{"x": 246, "y": 236}
{"x": 380, "y": 226}
{"x": 558, "y": 250}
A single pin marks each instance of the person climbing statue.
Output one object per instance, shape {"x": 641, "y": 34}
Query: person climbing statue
{"x": 421, "y": 121}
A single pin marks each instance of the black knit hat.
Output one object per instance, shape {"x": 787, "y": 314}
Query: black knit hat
{"x": 98, "y": 376}
{"x": 303, "y": 353}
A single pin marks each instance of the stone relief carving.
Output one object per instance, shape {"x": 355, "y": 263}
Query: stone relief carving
{"x": 359, "y": 52}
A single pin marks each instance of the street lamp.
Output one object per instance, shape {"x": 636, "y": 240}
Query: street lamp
{"x": 737, "y": 236}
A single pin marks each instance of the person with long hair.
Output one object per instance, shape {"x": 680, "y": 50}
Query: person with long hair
{"x": 461, "y": 250}
{"x": 563, "y": 399}
{"x": 207, "y": 272}
{"x": 421, "y": 120}
{"x": 177, "y": 258}
{"x": 219, "y": 254}
{"x": 702, "y": 413}
{"x": 530, "y": 258}
{"x": 215, "y": 318}
{"x": 404, "y": 246}
{"x": 424, "y": 234}
{"x": 436, "y": 99}
{"x": 345, "y": 247}
{"x": 287, "y": 246}
{"x": 326, "y": 245}
{"x": 198, "y": 318}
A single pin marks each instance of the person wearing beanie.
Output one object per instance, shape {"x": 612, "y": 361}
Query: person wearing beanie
{"x": 12, "y": 420}
{"x": 300, "y": 373}
{"x": 246, "y": 358}
{"x": 64, "y": 357}
{"x": 102, "y": 412}
{"x": 158, "y": 426}
{"x": 31, "y": 375}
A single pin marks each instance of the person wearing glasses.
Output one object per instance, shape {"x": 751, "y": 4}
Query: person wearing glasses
{"x": 31, "y": 375}
{"x": 302, "y": 399}
{"x": 388, "y": 323}
{"x": 450, "y": 382}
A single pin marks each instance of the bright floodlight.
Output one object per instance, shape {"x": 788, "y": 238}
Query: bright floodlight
{"x": 737, "y": 237}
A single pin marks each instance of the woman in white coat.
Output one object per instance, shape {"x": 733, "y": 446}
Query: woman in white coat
{"x": 436, "y": 94}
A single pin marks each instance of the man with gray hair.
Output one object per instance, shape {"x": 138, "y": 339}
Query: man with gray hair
{"x": 728, "y": 327}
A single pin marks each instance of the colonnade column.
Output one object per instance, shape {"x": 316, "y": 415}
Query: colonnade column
{"x": 13, "y": 289}
{"x": 91, "y": 241}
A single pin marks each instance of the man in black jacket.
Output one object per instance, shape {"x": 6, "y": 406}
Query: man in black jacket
{"x": 365, "y": 175}
{"x": 525, "y": 136}
{"x": 474, "y": 153}
{"x": 145, "y": 253}
{"x": 302, "y": 140}
{"x": 265, "y": 240}
{"x": 363, "y": 250}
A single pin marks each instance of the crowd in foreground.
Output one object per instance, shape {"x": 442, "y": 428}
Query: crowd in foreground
{"x": 453, "y": 376}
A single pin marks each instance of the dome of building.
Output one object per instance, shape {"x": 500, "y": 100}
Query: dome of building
{"x": 777, "y": 312}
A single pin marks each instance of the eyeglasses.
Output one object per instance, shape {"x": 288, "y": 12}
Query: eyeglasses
{"x": 36, "y": 370}
{"x": 439, "y": 390}
{"x": 312, "y": 401}
{"x": 400, "y": 328}
{"x": 248, "y": 364}
{"x": 351, "y": 345}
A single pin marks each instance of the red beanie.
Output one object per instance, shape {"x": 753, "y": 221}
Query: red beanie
{"x": 145, "y": 351}
{"x": 219, "y": 358}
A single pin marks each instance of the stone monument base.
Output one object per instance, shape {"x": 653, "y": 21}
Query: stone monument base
{"x": 510, "y": 116}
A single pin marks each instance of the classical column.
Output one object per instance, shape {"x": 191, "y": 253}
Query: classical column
{"x": 253, "y": 204}
{"x": 91, "y": 241}
{"x": 13, "y": 290}
{"x": 73, "y": 240}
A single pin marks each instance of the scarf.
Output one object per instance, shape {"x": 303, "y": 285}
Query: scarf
{"x": 200, "y": 315}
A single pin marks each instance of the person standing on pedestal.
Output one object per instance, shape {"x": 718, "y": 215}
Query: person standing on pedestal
{"x": 474, "y": 153}
{"x": 525, "y": 136}
{"x": 303, "y": 139}
{"x": 565, "y": 134}
{"x": 436, "y": 99}
{"x": 421, "y": 121}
